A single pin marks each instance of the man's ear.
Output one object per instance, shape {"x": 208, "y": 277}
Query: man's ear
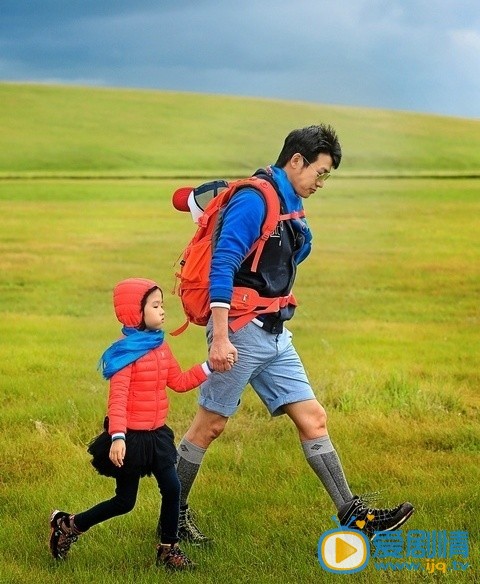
{"x": 296, "y": 161}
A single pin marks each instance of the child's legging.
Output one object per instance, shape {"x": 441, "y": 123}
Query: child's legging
{"x": 126, "y": 496}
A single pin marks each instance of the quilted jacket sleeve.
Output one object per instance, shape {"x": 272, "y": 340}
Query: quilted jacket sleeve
{"x": 181, "y": 381}
{"x": 117, "y": 400}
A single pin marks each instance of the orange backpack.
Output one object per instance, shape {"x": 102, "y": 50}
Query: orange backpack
{"x": 193, "y": 280}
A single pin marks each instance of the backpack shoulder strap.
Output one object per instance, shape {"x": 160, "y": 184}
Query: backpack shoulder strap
{"x": 272, "y": 205}
{"x": 272, "y": 216}
{"x": 270, "y": 196}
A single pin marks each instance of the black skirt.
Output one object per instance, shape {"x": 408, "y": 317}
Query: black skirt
{"x": 145, "y": 449}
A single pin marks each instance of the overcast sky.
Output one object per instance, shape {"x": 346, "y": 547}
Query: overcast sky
{"x": 417, "y": 55}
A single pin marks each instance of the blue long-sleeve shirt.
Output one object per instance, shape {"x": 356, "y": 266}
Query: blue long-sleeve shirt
{"x": 241, "y": 227}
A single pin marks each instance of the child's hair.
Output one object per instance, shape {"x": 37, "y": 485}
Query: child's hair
{"x": 142, "y": 325}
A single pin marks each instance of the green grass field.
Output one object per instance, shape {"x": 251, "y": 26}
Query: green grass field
{"x": 388, "y": 328}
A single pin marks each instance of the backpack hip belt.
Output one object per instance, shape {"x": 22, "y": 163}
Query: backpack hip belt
{"x": 247, "y": 304}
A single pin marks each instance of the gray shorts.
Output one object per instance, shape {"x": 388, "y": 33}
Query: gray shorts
{"x": 267, "y": 361}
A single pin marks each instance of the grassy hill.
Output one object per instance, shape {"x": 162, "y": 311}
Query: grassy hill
{"x": 84, "y": 130}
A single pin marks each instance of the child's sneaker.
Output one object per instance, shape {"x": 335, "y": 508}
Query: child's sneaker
{"x": 63, "y": 533}
{"x": 172, "y": 557}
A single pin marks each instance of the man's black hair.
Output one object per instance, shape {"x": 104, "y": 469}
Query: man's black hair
{"x": 310, "y": 142}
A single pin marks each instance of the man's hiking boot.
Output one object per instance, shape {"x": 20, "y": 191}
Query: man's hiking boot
{"x": 188, "y": 531}
{"x": 62, "y": 534}
{"x": 357, "y": 515}
{"x": 172, "y": 557}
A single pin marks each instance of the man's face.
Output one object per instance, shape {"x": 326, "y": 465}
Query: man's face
{"x": 307, "y": 177}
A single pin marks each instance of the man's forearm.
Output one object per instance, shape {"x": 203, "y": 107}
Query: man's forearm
{"x": 220, "y": 323}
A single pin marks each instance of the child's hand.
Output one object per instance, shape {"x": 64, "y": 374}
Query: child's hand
{"x": 117, "y": 452}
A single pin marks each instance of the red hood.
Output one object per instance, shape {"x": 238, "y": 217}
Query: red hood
{"x": 127, "y": 300}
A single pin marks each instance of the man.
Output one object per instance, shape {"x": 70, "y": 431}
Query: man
{"x": 262, "y": 349}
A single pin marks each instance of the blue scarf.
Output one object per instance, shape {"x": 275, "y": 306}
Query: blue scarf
{"x": 134, "y": 345}
{"x": 293, "y": 203}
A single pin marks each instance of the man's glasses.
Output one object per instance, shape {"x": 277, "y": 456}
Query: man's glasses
{"x": 321, "y": 176}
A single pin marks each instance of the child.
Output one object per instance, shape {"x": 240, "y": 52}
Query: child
{"x": 136, "y": 441}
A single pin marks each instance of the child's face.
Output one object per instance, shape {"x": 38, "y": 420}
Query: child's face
{"x": 153, "y": 313}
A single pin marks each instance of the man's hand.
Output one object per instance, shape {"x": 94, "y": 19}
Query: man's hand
{"x": 222, "y": 355}
{"x": 117, "y": 452}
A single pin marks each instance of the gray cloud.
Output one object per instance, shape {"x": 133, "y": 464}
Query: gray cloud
{"x": 378, "y": 53}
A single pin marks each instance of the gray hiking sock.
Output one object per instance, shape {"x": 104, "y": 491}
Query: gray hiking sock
{"x": 189, "y": 460}
{"x": 323, "y": 458}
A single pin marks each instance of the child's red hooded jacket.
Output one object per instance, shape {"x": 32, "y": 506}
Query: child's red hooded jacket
{"x": 138, "y": 399}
